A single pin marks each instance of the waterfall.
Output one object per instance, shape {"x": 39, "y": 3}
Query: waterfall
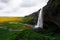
{"x": 40, "y": 20}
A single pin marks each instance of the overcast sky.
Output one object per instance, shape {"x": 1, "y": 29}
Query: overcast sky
{"x": 20, "y": 7}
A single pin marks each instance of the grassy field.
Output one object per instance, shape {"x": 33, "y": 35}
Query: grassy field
{"x": 13, "y": 22}
{"x": 7, "y": 23}
{"x": 10, "y": 19}
{"x": 7, "y": 35}
{"x": 26, "y": 34}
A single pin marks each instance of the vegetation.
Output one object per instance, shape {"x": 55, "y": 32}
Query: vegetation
{"x": 33, "y": 35}
{"x": 27, "y": 20}
{"x": 10, "y": 19}
{"x": 7, "y": 35}
{"x": 27, "y": 33}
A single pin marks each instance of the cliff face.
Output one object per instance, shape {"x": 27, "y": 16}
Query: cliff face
{"x": 51, "y": 12}
{"x": 34, "y": 17}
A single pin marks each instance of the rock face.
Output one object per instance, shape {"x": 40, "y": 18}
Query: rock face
{"x": 34, "y": 16}
{"x": 51, "y": 13}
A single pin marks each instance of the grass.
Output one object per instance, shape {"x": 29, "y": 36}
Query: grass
{"x": 13, "y": 26}
{"x": 10, "y": 19}
{"x": 13, "y": 23}
{"x": 27, "y": 34}
{"x": 33, "y": 35}
{"x": 7, "y": 35}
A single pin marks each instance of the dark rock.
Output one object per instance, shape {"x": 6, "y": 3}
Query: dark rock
{"x": 34, "y": 16}
{"x": 51, "y": 12}
{"x": 38, "y": 30}
{"x": 51, "y": 15}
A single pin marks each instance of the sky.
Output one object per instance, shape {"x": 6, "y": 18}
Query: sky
{"x": 20, "y": 8}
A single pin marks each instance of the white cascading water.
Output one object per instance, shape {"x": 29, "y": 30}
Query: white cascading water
{"x": 40, "y": 20}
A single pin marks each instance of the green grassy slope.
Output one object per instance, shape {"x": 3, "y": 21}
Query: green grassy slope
{"x": 7, "y": 35}
{"x": 33, "y": 35}
{"x": 28, "y": 34}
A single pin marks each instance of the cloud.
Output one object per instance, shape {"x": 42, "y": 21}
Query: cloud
{"x": 21, "y": 7}
{"x": 4, "y": 1}
{"x": 31, "y": 3}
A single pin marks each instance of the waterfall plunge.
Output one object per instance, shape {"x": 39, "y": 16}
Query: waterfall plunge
{"x": 40, "y": 20}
